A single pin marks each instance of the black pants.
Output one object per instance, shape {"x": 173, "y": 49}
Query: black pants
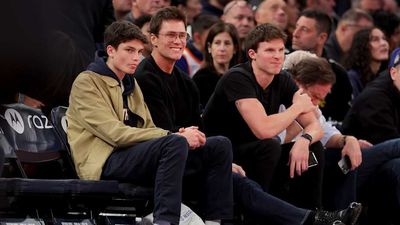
{"x": 163, "y": 162}
{"x": 266, "y": 162}
{"x": 303, "y": 191}
{"x": 259, "y": 159}
{"x": 339, "y": 189}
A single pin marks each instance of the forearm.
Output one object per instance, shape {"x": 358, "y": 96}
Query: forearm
{"x": 314, "y": 129}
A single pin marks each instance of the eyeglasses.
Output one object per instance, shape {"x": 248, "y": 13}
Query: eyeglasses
{"x": 171, "y": 36}
{"x": 232, "y": 4}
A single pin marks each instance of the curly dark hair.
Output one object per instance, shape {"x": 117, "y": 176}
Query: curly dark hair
{"x": 359, "y": 56}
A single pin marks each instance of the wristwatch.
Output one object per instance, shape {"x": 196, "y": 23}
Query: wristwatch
{"x": 307, "y": 136}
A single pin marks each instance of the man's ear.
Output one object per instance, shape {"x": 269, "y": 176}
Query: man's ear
{"x": 252, "y": 54}
{"x": 323, "y": 37}
{"x": 154, "y": 40}
{"x": 394, "y": 73}
{"x": 196, "y": 37}
{"x": 110, "y": 51}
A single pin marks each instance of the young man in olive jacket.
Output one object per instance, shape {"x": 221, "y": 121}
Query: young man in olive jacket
{"x": 112, "y": 135}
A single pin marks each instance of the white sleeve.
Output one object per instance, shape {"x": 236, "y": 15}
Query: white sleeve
{"x": 329, "y": 129}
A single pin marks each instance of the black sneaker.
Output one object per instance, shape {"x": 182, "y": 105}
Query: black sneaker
{"x": 347, "y": 216}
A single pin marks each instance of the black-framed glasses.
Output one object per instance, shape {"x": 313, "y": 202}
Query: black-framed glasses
{"x": 172, "y": 36}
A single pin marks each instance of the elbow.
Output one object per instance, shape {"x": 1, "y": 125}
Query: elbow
{"x": 263, "y": 134}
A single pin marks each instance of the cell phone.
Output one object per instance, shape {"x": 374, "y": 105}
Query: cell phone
{"x": 312, "y": 160}
{"x": 345, "y": 164}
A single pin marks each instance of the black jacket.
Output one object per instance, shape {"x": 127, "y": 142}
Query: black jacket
{"x": 375, "y": 114}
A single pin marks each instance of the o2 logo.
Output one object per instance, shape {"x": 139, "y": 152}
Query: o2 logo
{"x": 14, "y": 119}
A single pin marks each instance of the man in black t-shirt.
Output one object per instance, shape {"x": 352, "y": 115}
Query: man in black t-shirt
{"x": 245, "y": 108}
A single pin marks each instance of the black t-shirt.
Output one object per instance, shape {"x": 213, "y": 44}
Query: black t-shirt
{"x": 173, "y": 99}
{"x": 221, "y": 116}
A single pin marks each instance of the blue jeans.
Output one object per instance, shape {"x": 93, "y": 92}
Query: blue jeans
{"x": 265, "y": 207}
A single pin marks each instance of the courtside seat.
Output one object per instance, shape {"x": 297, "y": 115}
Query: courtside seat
{"x": 46, "y": 180}
{"x": 139, "y": 197}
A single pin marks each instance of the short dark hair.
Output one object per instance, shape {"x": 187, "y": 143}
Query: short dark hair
{"x": 219, "y": 28}
{"x": 310, "y": 71}
{"x": 354, "y": 15}
{"x": 142, "y": 20}
{"x": 263, "y": 32}
{"x": 122, "y": 31}
{"x": 322, "y": 20}
{"x": 203, "y": 22}
{"x": 165, "y": 14}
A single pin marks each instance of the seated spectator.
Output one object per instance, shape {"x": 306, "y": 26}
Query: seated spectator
{"x": 389, "y": 23}
{"x": 143, "y": 22}
{"x": 363, "y": 61}
{"x": 223, "y": 49}
{"x": 311, "y": 33}
{"x": 193, "y": 55}
{"x": 314, "y": 76}
{"x": 145, "y": 7}
{"x": 191, "y": 8}
{"x": 375, "y": 113}
{"x": 211, "y": 158}
{"x": 121, "y": 8}
{"x": 340, "y": 40}
{"x": 244, "y": 107}
{"x": 112, "y": 135}
{"x": 240, "y": 14}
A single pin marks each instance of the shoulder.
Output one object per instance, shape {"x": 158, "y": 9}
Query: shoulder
{"x": 87, "y": 77}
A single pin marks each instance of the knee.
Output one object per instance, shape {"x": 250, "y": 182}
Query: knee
{"x": 177, "y": 146}
{"x": 222, "y": 147}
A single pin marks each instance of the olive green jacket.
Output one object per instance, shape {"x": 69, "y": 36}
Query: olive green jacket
{"x": 95, "y": 122}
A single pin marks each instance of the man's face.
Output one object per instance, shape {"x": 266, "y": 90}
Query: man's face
{"x": 317, "y": 92}
{"x": 122, "y": 5}
{"x": 351, "y": 28}
{"x": 326, "y": 6}
{"x": 241, "y": 16}
{"x": 371, "y": 5}
{"x": 395, "y": 74}
{"x": 150, "y": 7}
{"x": 125, "y": 58}
{"x": 268, "y": 57}
{"x": 274, "y": 12}
{"x": 193, "y": 8}
{"x": 306, "y": 35}
{"x": 170, "y": 41}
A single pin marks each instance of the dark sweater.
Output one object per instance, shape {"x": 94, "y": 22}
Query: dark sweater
{"x": 173, "y": 99}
